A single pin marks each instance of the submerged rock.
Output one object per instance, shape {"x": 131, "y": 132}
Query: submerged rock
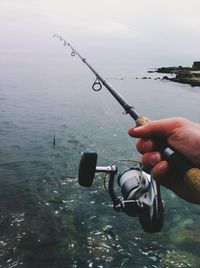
{"x": 176, "y": 258}
{"x": 185, "y": 232}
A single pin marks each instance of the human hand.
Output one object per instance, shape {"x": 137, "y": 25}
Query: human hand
{"x": 179, "y": 134}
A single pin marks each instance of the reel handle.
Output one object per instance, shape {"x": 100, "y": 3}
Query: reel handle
{"x": 187, "y": 171}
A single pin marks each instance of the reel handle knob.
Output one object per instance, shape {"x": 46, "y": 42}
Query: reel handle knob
{"x": 87, "y": 168}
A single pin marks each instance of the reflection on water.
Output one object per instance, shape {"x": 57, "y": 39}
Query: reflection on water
{"x": 47, "y": 219}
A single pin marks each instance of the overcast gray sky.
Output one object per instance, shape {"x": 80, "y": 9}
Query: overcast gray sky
{"x": 158, "y": 30}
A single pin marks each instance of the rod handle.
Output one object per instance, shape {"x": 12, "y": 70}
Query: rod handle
{"x": 185, "y": 169}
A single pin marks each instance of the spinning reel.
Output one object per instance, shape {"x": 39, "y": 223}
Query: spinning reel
{"x": 140, "y": 193}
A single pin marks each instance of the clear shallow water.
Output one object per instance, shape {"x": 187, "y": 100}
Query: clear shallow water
{"x": 47, "y": 219}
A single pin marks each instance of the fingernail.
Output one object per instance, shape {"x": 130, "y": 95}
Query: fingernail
{"x": 162, "y": 167}
{"x": 154, "y": 158}
{"x": 133, "y": 131}
{"x": 146, "y": 146}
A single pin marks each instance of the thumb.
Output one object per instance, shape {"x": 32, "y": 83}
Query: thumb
{"x": 159, "y": 128}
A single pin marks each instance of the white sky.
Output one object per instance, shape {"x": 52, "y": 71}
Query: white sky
{"x": 167, "y": 31}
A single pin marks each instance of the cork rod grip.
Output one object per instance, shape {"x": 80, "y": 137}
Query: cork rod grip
{"x": 189, "y": 173}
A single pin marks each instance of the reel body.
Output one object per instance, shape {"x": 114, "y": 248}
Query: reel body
{"x": 140, "y": 193}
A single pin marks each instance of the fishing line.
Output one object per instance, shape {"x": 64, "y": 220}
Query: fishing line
{"x": 97, "y": 85}
{"x": 128, "y": 140}
{"x": 111, "y": 112}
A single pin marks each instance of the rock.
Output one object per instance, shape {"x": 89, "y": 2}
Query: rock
{"x": 196, "y": 65}
{"x": 165, "y": 77}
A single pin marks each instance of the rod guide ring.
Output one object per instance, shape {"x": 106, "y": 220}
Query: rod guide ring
{"x": 97, "y": 86}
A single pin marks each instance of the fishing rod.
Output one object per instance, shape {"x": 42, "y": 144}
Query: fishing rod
{"x": 99, "y": 79}
{"x": 180, "y": 165}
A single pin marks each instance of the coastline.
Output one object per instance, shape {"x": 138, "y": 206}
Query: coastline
{"x": 184, "y": 75}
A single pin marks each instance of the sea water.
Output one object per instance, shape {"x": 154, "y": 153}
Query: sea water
{"x": 48, "y": 116}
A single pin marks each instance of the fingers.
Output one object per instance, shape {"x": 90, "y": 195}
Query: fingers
{"x": 160, "y": 172}
{"x": 149, "y": 160}
{"x": 144, "y": 146}
{"x": 152, "y": 161}
{"x": 159, "y": 168}
{"x": 147, "y": 145}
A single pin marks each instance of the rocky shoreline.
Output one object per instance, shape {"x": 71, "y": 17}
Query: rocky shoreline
{"x": 184, "y": 75}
